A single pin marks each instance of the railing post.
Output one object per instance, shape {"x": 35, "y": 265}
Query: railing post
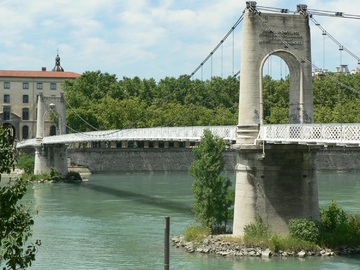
{"x": 166, "y": 244}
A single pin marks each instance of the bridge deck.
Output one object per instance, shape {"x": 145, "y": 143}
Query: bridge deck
{"x": 321, "y": 134}
{"x": 139, "y": 134}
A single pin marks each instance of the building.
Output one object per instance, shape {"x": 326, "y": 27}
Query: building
{"x": 19, "y": 92}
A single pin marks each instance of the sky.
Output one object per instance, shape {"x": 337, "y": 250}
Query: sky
{"x": 151, "y": 38}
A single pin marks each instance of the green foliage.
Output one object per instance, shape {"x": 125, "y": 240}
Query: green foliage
{"x": 196, "y": 233}
{"x": 304, "y": 229}
{"x": 257, "y": 234}
{"x": 290, "y": 244}
{"x": 26, "y": 162}
{"x": 73, "y": 177}
{"x": 7, "y": 156}
{"x": 338, "y": 228}
{"x": 230, "y": 201}
{"x": 333, "y": 218}
{"x": 15, "y": 219}
{"x": 210, "y": 188}
{"x": 257, "y": 230}
{"x": 55, "y": 175}
{"x": 108, "y": 103}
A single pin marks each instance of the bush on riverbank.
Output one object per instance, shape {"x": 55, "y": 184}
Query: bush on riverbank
{"x": 54, "y": 176}
{"x": 257, "y": 234}
{"x": 336, "y": 229}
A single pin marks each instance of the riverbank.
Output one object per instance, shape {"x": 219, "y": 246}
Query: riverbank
{"x": 218, "y": 245}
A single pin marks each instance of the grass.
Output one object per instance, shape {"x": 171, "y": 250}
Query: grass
{"x": 196, "y": 233}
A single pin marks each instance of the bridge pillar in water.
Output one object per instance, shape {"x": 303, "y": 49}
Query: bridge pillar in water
{"x": 274, "y": 182}
{"x": 277, "y": 185}
{"x": 52, "y": 155}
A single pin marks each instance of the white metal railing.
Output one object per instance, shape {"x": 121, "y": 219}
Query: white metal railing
{"x": 139, "y": 134}
{"x": 340, "y": 134}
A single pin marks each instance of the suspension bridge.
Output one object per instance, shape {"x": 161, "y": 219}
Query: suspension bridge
{"x": 275, "y": 176}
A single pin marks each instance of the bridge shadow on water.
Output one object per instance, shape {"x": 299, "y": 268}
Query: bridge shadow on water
{"x": 173, "y": 206}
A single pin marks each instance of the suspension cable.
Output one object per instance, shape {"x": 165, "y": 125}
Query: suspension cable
{"x": 79, "y": 116}
{"x": 200, "y": 66}
{"x": 302, "y": 57}
{"x": 219, "y": 44}
{"x": 311, "y": 12}
{"x": 341, "y": 47}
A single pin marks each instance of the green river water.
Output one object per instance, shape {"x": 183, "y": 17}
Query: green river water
{"x": 117, "y": 222}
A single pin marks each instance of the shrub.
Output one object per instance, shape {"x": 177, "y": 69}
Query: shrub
{"x": 259, "y": 229}
{"x": 290, "y": 243}
{"x": 333, "y": 217}
{"x": 55, "y": 175}
{"x": 336, "y": 227}
{"x": 304, "y": 229}
{"x": 26, "y": 162}
{"x": 73, "y": 177}
{"x": 196, "y": 233}
{"x": 354, "y": 224}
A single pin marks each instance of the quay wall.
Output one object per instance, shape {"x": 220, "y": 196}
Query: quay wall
{"x": 138, "y": 160}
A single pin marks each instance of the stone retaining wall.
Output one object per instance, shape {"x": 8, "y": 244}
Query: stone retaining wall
{"x": 108, "y": 160}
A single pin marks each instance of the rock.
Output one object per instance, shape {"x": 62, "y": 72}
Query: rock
{"x": 266, "y": 253}
{"x": 207, "y": 241}
{"x": 301, "y": 254}
{"x": 175, "y": 239}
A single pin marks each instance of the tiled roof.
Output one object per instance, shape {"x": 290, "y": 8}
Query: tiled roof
{"x": 38, "y": 74}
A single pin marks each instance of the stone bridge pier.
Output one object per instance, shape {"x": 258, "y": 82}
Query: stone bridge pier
{"x": 274, "y": 181}
{"x": 51, "y": 156}
{"x": 50, "y": 117}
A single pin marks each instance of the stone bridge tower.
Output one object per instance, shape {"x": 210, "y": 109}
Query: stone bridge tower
{"x": 50, "y": 110}
{"x": 274, "y": 182}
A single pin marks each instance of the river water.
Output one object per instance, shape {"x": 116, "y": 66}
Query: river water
{"x": 117, "y": 222}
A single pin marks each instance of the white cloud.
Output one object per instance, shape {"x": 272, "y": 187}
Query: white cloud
{"x": 147, "y": 38}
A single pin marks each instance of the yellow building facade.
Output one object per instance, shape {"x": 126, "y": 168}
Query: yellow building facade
{"x": 19, "y": 91}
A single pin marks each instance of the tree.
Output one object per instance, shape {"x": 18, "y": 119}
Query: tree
{"x": 15, "y": 218}
{"x": 210, "y": 187}
{"x": 26, "y": 163}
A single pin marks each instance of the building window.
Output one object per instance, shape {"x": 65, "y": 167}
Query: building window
{"x": 39, "y": 85}
{"x": 52, "y": 130}
{"x": 6, "y": 98}
{"x": 25, "y": 98}
{"x": 52, "y": 86}
{"x": 25, "y": 114}
{"x": 25, "y": 132}
{"x": 6, "y": 113}
{"x": 25, "y": 85}
{"x": 6, "y": 85}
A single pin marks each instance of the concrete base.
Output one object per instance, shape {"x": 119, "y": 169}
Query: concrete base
{"x": 51, "y": 156}
{"x": 277, "y": 184}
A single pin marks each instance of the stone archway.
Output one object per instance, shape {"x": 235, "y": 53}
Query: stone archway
{"x": 283, "y": 35}
{"x": 296, "y": 91}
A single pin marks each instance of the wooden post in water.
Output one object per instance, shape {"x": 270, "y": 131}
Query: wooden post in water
{"x": 166, "y": 244}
